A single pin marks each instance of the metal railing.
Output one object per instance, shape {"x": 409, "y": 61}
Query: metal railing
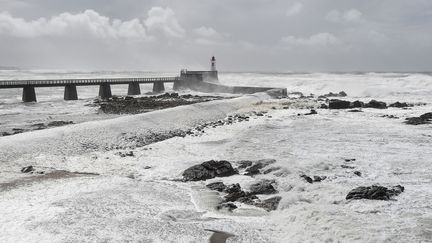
{"x": 60, "y": 82}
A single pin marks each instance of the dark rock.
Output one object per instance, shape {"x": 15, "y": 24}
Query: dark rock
{"x": 331, "y": 94}
{"x": 417, "y": 121}
{"x": 348, "y": 167}
{"x": 244, "y": 164}
{"x": 270, "y": 170}
{"x": 248, "y": 199}
{"x": 258, "y": 165}
{"x": 263, "y": 187}
{"x": 312, "y": 112}
{"x": 59, "y": 123}
{"x": 232, "y": 197}
{"x": 357, "y": 173}
{"x": 208, "y": 170}
{"x": 270, "y": 204}
{"x": 234, "y": 188}
{"x": 27, "y": 169}
{"x": 355, "y": 110}
{"x": 319, "y": 178}
{"x": 399, "y": 105}
{"x": 376, "y": 104}
{"x": 324, "y": 106}
{"x": 307, "y": 178}
{"x": 229, "y": 206}
{"x": 357, "y": 104}
{"x": 339, "y": 104}
{"x": 216, "y": 186}
{"x": 374, "y": 192}
{"x": 130, "y": 154}
{"x": 426, "y": 116}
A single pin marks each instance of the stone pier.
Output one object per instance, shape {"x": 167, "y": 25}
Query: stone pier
{"x": 70, "y": 92}
{"x": 158, "y": 87}
{"x": 29, "y": 94}
{"x": 134, "y": 89}
{"x": 105, "y": 91}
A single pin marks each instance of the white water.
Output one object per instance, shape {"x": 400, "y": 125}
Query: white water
{"x": 152, "y": 208}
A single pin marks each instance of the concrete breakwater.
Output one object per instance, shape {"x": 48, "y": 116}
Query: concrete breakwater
{"x": 106, "y": 134}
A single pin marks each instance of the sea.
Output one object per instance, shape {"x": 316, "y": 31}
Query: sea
{"x": 142, "y": 199}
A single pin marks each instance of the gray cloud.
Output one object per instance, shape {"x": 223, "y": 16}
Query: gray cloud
{"x": 261, "y": 35}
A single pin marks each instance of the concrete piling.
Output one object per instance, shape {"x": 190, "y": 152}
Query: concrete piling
{"x": 70, "y": 92}
{"x": 29, "y": 94}
{"x": 158, "y": 87}
{"x": 134, "y": 89}
{"x": 105, "y": 91}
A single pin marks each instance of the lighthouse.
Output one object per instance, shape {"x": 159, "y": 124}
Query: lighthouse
{"x": 213, "y": 64}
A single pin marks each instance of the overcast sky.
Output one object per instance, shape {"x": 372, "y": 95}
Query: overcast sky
{"x": 244, "y": 35}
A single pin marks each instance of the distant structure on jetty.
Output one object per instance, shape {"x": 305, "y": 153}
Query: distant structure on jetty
{"x": 205, "y": 81}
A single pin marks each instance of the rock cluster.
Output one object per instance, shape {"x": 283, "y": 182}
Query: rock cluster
{"x": 340, "y": 94}
{"x": 421, "y": 120}
{"x": 315, "y": 178}
{"x": 375, "y": 192}
{"x": 344, "y": 104}
{"x": 135, "y": 105}
{"x": 252, "y": 168}
{"x": 209, "y": 170}
{"x": 234, "y": 193}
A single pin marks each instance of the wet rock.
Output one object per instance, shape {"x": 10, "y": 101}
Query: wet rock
{"x": 348, "y": 167}
{"x": 270, "y": 204}
{"x": 376, "y": 104}
{"x": 324, "y": 106}
{"x": 263, "y": 187}
{"x": 232, "y": 197}
{"x": 217, "y": 186}
{"x": 421, "y": 120}
{"x": 228, "y": 206}
{"x": 257, "y": 166}
{"x": 59, "y": 123}
{"x": 270, "y": 170}
{"x": 125, "y": 154}
{"x": 357, "y": 104}
{"x": 374, "y": 192}
{"x": 331, "y": 94}
{"x": 426, "y": 116}
{"x": 355, "y": 110}
{"x": 209, "y": 170}
{"x": 307, "y": 178}
{"x": 339, "y": 104}
{"x": 357, "y": 173}
{"x": 399, "y": 105}
{"x": 233, "y": 188}
{"x": 390, "y": 116}
{"x": 312, "y": 112}
{"x": 244, "y": 164}
{"x": 319, "y": 178}
{"x": 27, "y": 169}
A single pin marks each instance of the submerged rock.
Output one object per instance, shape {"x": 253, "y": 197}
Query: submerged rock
{"x": 27, "y": 169}
{"x": 375, "y": 192}
{"x": 307, "y": 178}
{"x": 263, "y": 187}
{"x": 421, "y": 120}
{"x": 315, "y": 178}
{"x": 217, "y": 186}
{"x": 228, "y": 206}
{"x": 312, "y": 112}
{"x": 256, "y": 167}
{"x": 270, "y": 204}
{"x": 209, "y": 170}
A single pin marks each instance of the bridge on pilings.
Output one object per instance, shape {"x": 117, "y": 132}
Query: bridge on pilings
{"x": 70, "y": 92}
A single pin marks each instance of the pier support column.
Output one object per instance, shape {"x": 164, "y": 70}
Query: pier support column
{"x": 134, "y": 89}
{"x": 29, "y": 94}
{"x": 105, "y": 91}
{"x": 158, "y": 87}
{"x": 70, "y": 92}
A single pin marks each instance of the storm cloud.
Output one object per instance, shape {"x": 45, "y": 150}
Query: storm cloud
{"x": 245, "y": 35}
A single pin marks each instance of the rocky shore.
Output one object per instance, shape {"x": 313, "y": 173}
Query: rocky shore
{"x": 136, "y": 105}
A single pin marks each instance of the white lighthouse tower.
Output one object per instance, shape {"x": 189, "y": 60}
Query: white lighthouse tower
{"x": 213, "y": 64}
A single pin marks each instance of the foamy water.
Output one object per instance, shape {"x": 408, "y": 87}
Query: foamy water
{"x": 153, "y": 208}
